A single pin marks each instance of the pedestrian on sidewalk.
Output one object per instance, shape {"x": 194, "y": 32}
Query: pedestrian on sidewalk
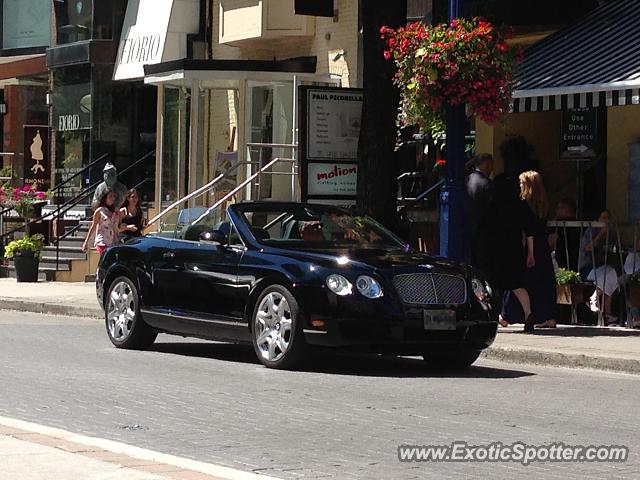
{"x": 104, "y": 224}
{"x": 507, "y": 250}
{"x": 539, "y": 278}
{"x": 479, "y": 192}
{"x": 132, "y": 220}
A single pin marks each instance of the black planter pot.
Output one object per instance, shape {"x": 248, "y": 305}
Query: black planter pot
{"x": 26, "y": 264}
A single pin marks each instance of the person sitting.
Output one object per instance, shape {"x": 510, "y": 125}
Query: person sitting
{"x": 311, "y": 232}
{"x": 593, "y": 268}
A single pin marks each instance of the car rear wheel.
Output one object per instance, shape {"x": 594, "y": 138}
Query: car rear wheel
{"x": 276, "y": 331}
{"x": 125, "y": 326}
{"x": 456, "y": 360}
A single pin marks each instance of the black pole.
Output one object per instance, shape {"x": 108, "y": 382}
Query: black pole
{"x": 453, "y": 219}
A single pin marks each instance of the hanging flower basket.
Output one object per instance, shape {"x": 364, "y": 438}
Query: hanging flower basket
{"x": 466, "y": 62}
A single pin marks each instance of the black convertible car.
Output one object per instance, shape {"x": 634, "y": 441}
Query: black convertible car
{"x": 284, "y": 276}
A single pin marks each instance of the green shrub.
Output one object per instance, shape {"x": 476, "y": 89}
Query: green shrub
{"x": 29, "y": 243}
{"x": 567, "y": 277}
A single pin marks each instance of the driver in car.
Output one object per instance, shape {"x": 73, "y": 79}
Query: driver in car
{"x": 312, "y": 232}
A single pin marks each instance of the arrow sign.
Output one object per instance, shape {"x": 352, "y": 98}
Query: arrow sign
{"x": 579, "y": 134}
{"x": 579, "y": 148}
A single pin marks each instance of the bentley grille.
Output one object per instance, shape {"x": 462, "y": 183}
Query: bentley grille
{"x": 431, "y": 289}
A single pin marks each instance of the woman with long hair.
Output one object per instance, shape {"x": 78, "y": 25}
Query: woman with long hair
{"x": 104, "y": 223}
{"x": 540, "y": 279}
{"x": 506, "y": 249}
{"x": 132, "y": 221}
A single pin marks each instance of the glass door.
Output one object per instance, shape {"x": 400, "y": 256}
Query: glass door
{"x": 174, "y": 174}
{"x": 270, "y": 120}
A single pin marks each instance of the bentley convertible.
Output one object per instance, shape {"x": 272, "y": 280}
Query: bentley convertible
{"x": 286, "y": 277}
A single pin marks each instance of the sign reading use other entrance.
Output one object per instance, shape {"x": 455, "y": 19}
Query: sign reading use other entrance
{"x": 579, "y": 135}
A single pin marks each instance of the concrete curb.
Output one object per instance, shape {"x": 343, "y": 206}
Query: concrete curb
{"x": 556, "y": 359}
{"x": 523, "y": 356}
{"x": 49, "y": 308}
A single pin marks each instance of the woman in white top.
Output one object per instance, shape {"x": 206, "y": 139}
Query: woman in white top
{"x": 105, "y": 223}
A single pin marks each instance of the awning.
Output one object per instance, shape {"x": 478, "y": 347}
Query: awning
{"x": 154, "y": 31}
{"x": 22, "y": 66}
{"x": 190, "y": 69}
{"x": 594, "y": 62}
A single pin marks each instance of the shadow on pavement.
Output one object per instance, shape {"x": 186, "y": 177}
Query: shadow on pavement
{"x": 339, "y": 363}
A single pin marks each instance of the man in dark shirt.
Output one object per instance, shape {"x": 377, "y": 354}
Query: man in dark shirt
{"x": 479, "y": 193}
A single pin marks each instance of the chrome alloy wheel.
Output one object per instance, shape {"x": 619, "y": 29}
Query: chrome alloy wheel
{"x": 273, "y": 326}
{"x": 121, "y": 310}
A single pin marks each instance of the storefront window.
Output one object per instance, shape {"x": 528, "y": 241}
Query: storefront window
{"x": 72, "y": 125}
{"x": 26, "y": 23}
{"x": 271, "y": 121}
{"x": 73, "y": 20}
{"x": 175, "y": 143}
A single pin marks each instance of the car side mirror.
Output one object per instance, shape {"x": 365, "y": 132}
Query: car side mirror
{"x": 215, "y": 237}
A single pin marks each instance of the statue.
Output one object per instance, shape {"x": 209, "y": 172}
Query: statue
{"x": 110, "y": 181}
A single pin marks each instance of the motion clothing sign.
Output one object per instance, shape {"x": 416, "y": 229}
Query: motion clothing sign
{"x": 329, "y": 133}
{"x": 154, "y": 31}
{"x": 333, "y": 179}
{"x": 579, "y": 133}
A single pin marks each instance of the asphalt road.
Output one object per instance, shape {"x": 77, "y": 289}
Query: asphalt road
{"x": 343, "y": 418}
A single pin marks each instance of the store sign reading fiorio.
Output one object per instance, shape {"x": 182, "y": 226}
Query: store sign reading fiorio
{"x": 154, "y": 31}
{"x": 68, "y": 123}
{"x": 140, "y": 49}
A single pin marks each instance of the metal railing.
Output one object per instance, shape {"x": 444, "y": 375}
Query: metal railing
{"x": 601, "y": 266}
{"x": 229, "y": 195}
{"x": 64, "y": 207}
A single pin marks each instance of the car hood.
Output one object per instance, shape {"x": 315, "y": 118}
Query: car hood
{"x": 378, "y": 259}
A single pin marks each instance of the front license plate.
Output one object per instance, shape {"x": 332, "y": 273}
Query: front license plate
{"x": 439, "y": 319}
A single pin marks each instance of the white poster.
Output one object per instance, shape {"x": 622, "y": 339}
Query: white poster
{"x": 333, "y": 124}
{"x": 332, "y": 179}
{"x": 26, "y": 23}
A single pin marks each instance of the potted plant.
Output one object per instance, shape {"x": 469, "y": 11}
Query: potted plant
{"x": 27, "y": 201}
{"x": 467, "y": 61}
{"x": 26, "y": 253}
{"x": 633, "y": 284}
{"x": 570, "y": 289}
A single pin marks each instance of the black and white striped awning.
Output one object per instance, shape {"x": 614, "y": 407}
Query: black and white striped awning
{"x": 594, "y": 62}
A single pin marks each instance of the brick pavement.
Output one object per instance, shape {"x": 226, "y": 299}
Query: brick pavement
{"x": 615, "y": 349}
{"x": 343, "y": 418}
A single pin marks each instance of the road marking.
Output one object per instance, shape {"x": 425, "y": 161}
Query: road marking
{"x": 219, "y": 471}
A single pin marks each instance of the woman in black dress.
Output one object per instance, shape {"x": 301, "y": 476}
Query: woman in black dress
{"x": 132, "y": 222}
{"x": 507, "y": 245}
{"x": 540, "y": 279}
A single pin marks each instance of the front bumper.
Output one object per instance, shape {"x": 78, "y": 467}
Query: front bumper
{"x": 387, "y": 326}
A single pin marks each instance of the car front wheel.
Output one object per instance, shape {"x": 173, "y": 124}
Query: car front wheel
{"x": 125, "y": 327}
{"x": 276, "y": 331}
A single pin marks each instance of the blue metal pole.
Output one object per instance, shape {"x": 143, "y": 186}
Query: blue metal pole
{"x": 453, "y": 219}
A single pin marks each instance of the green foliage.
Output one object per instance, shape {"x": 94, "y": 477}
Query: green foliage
{"x": 28, "y": 243}
{"x": 567, "y": 277}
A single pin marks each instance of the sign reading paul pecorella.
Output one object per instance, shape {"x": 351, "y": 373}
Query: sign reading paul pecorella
{"x": 329, "y": 133}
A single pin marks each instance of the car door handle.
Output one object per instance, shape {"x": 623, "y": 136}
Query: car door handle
{"x": 169, "y": 255}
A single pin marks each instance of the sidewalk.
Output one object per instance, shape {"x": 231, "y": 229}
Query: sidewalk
{"x": 615, "y": 349}
{"x": 34, "y": 452}
{"x": 55, "y": 298}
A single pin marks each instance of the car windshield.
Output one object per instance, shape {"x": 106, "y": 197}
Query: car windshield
{"x": 317, "y": 226}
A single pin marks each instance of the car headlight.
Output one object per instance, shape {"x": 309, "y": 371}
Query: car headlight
{"x": 482, "y": 291}
{"x": 339, "y": 285}
{"x": 368, "y": 287}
